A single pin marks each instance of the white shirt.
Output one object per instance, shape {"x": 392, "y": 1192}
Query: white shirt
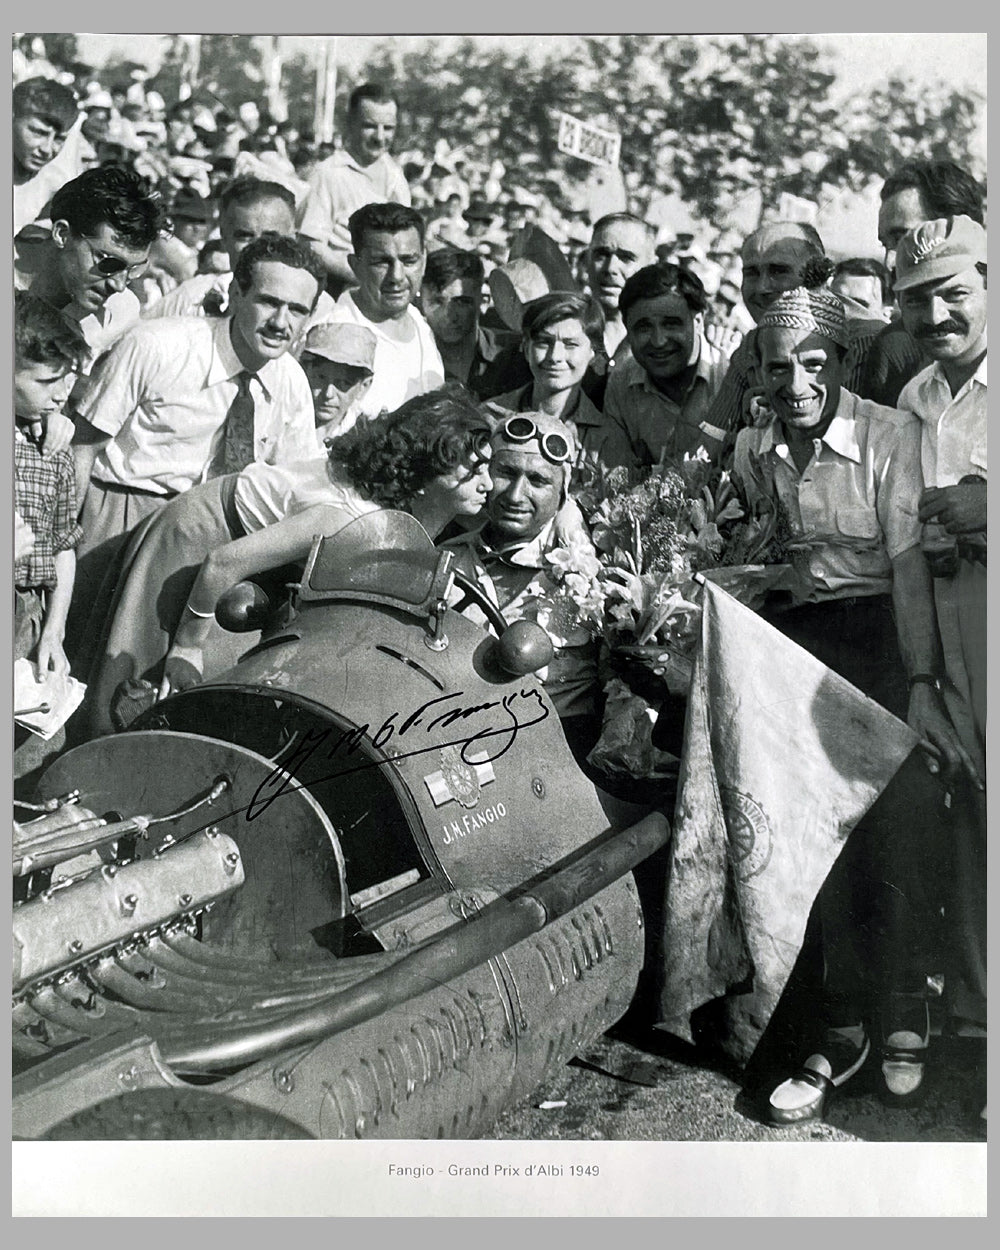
{"x": 853, "y": 509}
{"x": 266, "y": 493}
{"x": 407, "y": 360}
{"x": 954, "y": 427}
{"x": 338, "y": 186}
{"x": 163, "y": 391}
{"x": 187, "y": 299}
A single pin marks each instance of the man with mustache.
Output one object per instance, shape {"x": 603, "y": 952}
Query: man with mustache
{"x": 918, "y": 191}
{"x": 182, "y": 399}
{"x": 845, "y": 474}
{"x": 941, "y": 286}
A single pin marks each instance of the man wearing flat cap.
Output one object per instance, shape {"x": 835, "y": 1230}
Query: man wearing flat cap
{"x": 941, "y": 287}
{"x": 843, "y": 475}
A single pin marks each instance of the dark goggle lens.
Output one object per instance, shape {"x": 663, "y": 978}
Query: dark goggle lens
{"x": 555, "y": 447}
{"x": 520, "y": 429}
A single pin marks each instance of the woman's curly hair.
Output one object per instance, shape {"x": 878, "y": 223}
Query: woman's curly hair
{"x": 396, "y": 454}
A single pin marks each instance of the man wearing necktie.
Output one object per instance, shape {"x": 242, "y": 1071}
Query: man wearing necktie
{"x": 181, "y": 400}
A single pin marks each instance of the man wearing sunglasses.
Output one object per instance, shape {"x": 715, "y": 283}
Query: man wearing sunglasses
{"x": 103, "y": 225}
{"x": 533, "y": 457}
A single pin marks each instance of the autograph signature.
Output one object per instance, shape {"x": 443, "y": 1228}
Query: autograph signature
{"x": 429, "y": 716}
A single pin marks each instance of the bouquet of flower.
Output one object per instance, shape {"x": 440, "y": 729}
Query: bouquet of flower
{"x": 652, "y": 534}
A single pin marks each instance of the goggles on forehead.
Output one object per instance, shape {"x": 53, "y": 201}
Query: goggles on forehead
{"x": 521, "y": 429}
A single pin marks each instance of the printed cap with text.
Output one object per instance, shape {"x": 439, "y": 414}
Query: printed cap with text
{"x": 939, "y": 249}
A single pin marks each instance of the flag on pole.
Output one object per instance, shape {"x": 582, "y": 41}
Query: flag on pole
{"x": 782, "y": 758}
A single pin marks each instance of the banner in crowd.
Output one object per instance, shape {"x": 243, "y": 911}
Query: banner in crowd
{"x": 588, "y": 142}
{"x": 782, "y": 757}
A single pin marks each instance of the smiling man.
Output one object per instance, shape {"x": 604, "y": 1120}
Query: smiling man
{"x": 918, "y": 191}
{"x": 844, "y": 473}
{"x": 388, "y": 263}
{"x": 182, "y": 399}
{"x": 773, "y": 257}
{"x": 103, "y": 225}
{"x": 661, "y": 396}
{"x": 941, "y": 286}
{"x": 361, "y": 172}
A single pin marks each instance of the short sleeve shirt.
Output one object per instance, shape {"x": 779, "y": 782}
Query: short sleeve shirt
{"x": 163, "y": 392}
{"x": 339, "y": 186}
{"x": 954, "y": 427}
{"x": 266, "y": 493}
{"x": 654, "y": 423}
{"x": 854, "y": 507}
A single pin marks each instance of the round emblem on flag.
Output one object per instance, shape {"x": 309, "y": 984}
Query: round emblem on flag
{"x": 749, "y": 832}
{"x": 459, "y": 778}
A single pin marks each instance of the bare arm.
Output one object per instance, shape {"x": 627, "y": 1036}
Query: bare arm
{"x": 50, "y": 646}
{"x": 281, "y": 543}
{"x": 87, "y": 444}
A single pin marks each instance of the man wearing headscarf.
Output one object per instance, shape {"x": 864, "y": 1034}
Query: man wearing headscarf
{"x": 843, "y": 475}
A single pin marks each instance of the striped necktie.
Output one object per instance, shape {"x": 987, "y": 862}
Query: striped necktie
{"x": 236, "y": 447}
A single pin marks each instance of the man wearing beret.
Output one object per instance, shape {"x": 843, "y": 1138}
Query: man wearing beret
{"x": 941, "y": 287}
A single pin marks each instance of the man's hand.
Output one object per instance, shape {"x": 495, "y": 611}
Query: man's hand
{"x": 183, "y": 668}
{"x": 24, "y": 537}
{"x": 928, "y": 718}
{"x": 59, "y": 431}
{"x": 725, "y": 338}
{"x": 960, "y": 509}
{"x": 51, "y": 657}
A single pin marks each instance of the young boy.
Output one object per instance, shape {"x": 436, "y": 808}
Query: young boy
{"x": 338, "y": 361}
{"x": 47, "y": 352}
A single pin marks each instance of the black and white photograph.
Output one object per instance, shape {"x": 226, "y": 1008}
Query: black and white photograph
{"x": 499, "y": 638}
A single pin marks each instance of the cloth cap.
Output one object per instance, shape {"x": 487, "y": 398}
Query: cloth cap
{"x": 805, "y": 309}
{"x": 939, "y": 249}
{"x": 343, "y": 343}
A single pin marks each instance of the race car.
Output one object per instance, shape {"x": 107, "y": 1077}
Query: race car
{"x": 354, "y": 887}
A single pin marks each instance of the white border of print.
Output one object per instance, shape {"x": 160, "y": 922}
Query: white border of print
{"x": 351, "y": 1179}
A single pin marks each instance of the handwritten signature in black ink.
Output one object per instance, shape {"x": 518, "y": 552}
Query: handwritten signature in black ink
{"x": 429, "y": 716}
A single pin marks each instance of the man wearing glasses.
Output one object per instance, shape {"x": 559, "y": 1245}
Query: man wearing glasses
{"x": 103, "y": 224}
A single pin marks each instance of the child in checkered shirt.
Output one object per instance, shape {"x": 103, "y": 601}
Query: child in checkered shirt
{"x": 47, "y": 353}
